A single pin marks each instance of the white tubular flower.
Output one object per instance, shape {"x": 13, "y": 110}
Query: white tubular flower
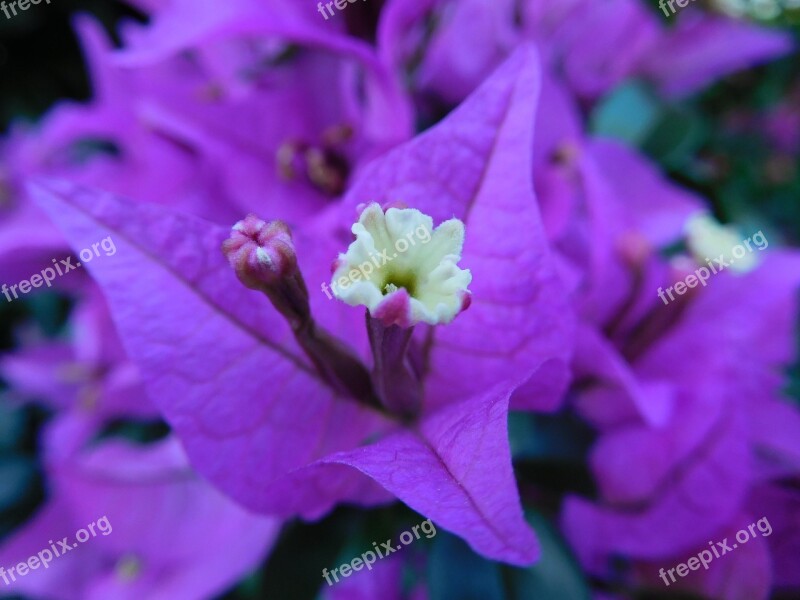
{"x": 709, "y": 239}
{"x": 403, "y": 270}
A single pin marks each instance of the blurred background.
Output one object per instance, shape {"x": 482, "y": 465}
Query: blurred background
{"x": 736, "y": 143}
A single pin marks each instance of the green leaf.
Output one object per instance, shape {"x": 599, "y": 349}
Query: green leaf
{"x": 551, "y": 453}
{"x": 294, "y": 567}
{"x": 13, "y": 425}
{"x": 676, "y": 138}
{"x": 557, "y": 575}
{"x": 628, "y": 113}
{"x": 21, "y": 493}
{"x": 50, "y": 310}
{"x": 455, "y": 572}
{"x": 561, "y": 436}
{"x": 18, "y": 473}
{"x": 135, "y": 430}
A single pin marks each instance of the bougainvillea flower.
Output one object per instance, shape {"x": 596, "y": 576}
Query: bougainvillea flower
{"x": 591, "y": 46}
{"x": 667, "y": 488}
{"x": 471, "y": 39}
{"x": 781, "y": 502}
{"x": 312, "y": 106}
{"x": 29, "y": 240}
{"x": 110, "y": 141}
{"x": 423, "y": 284}
{"x": 164, "y": 125}
{"x": 257, "y": 395}
{"x": 583, "y": 40}
{"x": 88, "y": 374}
{"x": 702, "y": 48}
{"x": 605, "y": 207}
{"x": 142, "y": 496}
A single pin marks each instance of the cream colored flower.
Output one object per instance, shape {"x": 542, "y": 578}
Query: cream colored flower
{"x": 403, "y": 270}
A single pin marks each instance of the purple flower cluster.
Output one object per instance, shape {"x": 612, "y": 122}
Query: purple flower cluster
{"x": 283, "y": 404}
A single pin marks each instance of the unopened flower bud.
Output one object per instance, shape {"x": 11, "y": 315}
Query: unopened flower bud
{"x": 263, "y": 256}
{"x": 261, "y": 252}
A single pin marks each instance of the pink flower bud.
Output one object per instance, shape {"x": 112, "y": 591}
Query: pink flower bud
{"x": 262, "y": 253}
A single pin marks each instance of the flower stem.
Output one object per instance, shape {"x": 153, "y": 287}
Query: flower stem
{"x": 396, "y": 382}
